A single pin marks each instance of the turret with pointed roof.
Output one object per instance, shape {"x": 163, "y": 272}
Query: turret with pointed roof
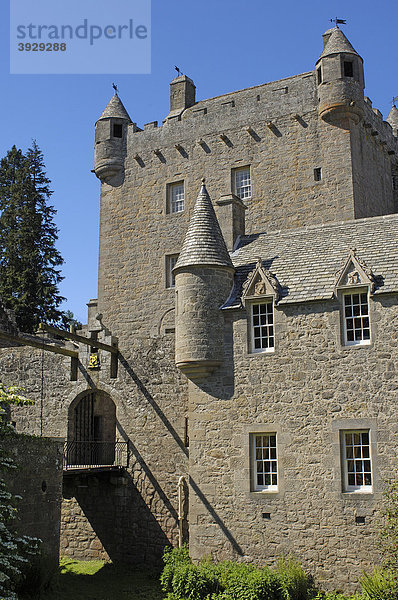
{"x": 203, "y": 282}
{"x": 204, "y": 243}
{"x": 340, "y": 80}
{"x": 393, "y": 119}
{"x": 110, "y": 141}
{"x": 115, "y": 109}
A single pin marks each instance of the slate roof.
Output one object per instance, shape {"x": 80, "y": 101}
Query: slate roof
{"x": 115, "y": 109}
{"x": 203, "y": 243}
{"x": 337, "y": 43}
{"x": 307, "y": 260}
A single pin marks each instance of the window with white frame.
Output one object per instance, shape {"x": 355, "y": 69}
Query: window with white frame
{"x": 356, "y": 318}
{"x": 171, "y": 260}
{"x": 265, "y": 462}
{"x": 262, "y": 327}
{"x": 175, "y": 197}
{"x": 357, "y": 465}
{"x": 242, "y": 183}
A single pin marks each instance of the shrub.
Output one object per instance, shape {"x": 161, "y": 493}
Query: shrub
{"x": 296, "y": 584}
{"x": 246, "y": 582}
{"x": 380, "y": 585}
{"x": 231, "y": 581}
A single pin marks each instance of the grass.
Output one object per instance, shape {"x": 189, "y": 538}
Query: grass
{"x": 97, "y": 580}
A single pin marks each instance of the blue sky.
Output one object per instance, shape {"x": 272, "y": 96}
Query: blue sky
{"x": 223, "y": 45}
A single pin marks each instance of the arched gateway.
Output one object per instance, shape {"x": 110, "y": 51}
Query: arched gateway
{"x": 91, "y": 430}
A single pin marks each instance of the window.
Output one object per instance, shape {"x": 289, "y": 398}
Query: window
{"x": 317, "y": 174}
{"x": 171, "y": 260}
{"x": 357, "y": 465}
{"x": 356, "y": 319}
{"x": 117, "y": 130}
{"x": 175, "y": 197}
{"x": 348, "y": 69}
{"x": 242, "y": 183}
{"x": 319, "y": 74}
{"x": 262, "y": 327}
{"x": 265, "y": 462}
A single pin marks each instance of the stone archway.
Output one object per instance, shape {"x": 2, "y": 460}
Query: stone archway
{"x": 91, "y": 430}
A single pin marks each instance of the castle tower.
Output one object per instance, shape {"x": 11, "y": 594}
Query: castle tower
{"x": 340, "y": 80}
{"x": 110, "y": 140}
{"x": 203, "y": 282}
{"x": 393, "y": 119}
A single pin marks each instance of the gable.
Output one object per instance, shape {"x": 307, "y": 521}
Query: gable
{"x": 260, "y": 283}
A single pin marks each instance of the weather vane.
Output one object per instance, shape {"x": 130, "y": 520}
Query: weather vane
{"x": 338, "y": 21}
{"x": 114, "y": 87}
{"x": 179, "y": 71}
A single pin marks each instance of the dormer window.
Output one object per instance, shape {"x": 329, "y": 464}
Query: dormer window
{"x": 117, "y": 130}
{"x": 348, "y": 68}
{"x": 355, "y": 282}
{"x": 356, "y": 318}
{"x": 261, "y": 292}
{"x": 262, "y": 326}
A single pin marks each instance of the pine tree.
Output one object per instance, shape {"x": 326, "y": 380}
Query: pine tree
{"x": 29, "y": 260}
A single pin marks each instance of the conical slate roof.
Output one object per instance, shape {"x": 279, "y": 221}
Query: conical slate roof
{"x": 393, "y": 117}
{"x": 115, "y": 109}
{"x": 336, "y": 43}
{"x": 204, "y": 243}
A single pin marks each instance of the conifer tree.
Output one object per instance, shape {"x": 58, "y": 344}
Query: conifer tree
{"x": 29, "y": 260}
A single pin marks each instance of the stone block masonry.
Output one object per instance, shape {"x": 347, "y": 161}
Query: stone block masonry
{"x": 320, "y": 167}
{"x": 38, "y": 480}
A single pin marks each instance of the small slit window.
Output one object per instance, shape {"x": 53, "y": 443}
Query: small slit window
{"x": 348, "y": 68}
{"x": 117, "y": 130}
{"x": 317, "y": 174}
{"x": 319, "y": 75}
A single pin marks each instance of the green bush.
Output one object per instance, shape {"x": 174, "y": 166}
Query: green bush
{"x": 382, "y": 584}
{"x": 296, "y": 584}
{"x": 246, "y": 582}
{"x": 231, "y": 581}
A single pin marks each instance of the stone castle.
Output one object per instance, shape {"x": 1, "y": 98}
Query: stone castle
{"x": 242, "y": 350}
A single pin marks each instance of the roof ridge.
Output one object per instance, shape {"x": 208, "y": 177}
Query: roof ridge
{"x": 392, "y": 216}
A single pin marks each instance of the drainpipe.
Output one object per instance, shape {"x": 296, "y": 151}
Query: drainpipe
{"x": 180, "y": 491}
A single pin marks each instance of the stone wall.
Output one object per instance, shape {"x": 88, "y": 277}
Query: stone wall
{"x": 149, "y": 394}
{"x": 308, "y": 390}
{"x": 38, "y": 480}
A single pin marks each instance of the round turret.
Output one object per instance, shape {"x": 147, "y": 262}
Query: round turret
{"x": 340, "y": 80}
{"x": 110, "y": 140}
{"x": 203, "y": 282}
{"x": 392, "y": 119}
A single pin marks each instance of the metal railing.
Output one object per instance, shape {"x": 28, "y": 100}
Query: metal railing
{"x": 81, "y": 455}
